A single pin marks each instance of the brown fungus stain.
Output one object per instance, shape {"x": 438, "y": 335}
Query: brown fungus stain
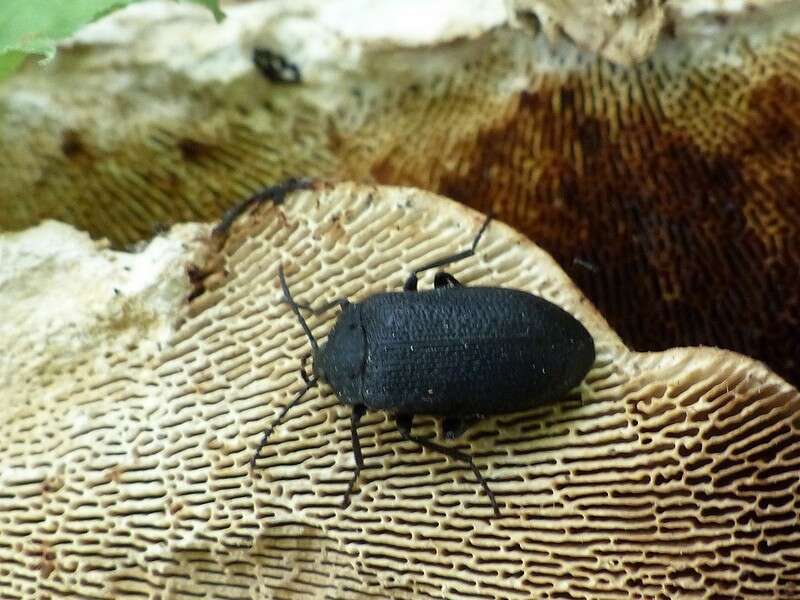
{"x": 675, "y": 244}
{"x": 74, "y": 148}
{"x": 194, "y": 151}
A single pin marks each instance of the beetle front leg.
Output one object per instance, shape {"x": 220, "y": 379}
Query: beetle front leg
{"x": 404, "y": 423}
{"x": 355, "y": 417}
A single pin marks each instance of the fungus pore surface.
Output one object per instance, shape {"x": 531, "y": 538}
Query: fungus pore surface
{"x": 663, "y": 475}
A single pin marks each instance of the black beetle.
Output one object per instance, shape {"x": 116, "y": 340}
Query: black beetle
{"x": 461, "y": 353}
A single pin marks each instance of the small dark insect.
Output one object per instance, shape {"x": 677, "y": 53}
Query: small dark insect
{"x": 457, "y": 352}
{"x": 276, "y": 67}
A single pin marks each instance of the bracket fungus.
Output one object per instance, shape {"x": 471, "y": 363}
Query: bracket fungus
{"x": 126, "y": 474}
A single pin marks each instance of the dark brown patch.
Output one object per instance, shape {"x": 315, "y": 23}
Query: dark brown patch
{"x": 73, "y": 147}
{"x": 383, "y": 171}
{"x": 194, "y": 150}
{"x": 689, "y": 246}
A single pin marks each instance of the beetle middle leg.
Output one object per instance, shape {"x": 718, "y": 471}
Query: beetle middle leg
{"x": 404, "y": 423}
{"x": 411, "y": 282}
{"x": 310, "y": 382}
{"x": 358, "y": 411}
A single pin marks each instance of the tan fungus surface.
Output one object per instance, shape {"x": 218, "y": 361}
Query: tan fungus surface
{"x": 664, "y": 475}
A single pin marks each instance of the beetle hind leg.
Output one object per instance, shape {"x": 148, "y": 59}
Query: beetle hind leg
{"x": 411, "y": 282}
{"x": 355, "y": 417}
{"x": 404, "y": 423}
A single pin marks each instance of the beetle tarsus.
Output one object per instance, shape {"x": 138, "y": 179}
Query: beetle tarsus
{"x": 358, "y": 411}
{"x": 404, "y": 423}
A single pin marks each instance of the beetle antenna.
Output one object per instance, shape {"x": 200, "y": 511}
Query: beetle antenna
{"x": 296, "y": 309}
{"x": 310, "y": 382}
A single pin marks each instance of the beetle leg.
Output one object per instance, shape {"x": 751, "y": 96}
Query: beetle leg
{"x": 443, "y": 279}
{"x": 404, "y": 423}
{"x": 355, "y": 417}
{"x": 453, "y": 427}
{"x": 309, "y": 384}
{"x": 411, "y": 282}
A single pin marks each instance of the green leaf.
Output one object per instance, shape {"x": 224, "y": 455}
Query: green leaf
{"x": 9, "y": 61}
{"x": 36, "y": 26}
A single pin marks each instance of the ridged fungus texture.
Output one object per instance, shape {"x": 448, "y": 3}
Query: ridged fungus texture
{"x": 667, "y": 190}
{"x": 664, "y": 475}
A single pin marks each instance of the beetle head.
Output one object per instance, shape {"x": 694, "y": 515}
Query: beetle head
{"x": 340, "y": 361}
